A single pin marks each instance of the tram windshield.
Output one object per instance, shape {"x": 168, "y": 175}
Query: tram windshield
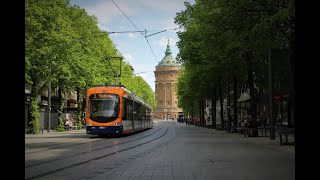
{"x": 104, "y": 107}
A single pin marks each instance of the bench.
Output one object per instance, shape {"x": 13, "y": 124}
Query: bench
{"x": 285, "y": 131}
{"x": 246, "y": 131}
{"x": 264, "y": 130}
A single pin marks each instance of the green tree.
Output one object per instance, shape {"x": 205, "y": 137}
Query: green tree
{"x": 48, "y": 37}
{"x": 222, "y": 39}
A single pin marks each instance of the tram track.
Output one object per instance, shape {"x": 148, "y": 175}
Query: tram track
{"x": 95, "y": 158}
{"x": 159, "y": 146}
{"x": 56, "y": 146}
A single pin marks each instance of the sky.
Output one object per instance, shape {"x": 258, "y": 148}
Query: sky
{"x": 134, "y": 15}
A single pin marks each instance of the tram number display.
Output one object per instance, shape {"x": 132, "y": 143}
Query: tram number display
{"x": 104, "y": 96}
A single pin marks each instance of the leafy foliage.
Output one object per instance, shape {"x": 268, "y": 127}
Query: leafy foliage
{"x": 65, "y": 46}
{"x": 34, "y": 113}
{"x": 229, "y": 38}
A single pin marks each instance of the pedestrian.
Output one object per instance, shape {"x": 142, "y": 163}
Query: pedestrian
{"x": 67, "y": 124}
{"x": 231, "y": 123}
{"x": 247, "y": 120}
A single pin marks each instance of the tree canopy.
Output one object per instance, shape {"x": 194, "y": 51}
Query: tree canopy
{"x": 64, "y": 46}
{"x": 221, "y": 39}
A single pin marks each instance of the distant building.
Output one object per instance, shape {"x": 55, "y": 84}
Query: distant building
{"x": 166, "y": 75}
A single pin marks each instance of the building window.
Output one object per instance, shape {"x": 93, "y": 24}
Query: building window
{"x": 168, "y": 102}
{"x": 28, "y": 98}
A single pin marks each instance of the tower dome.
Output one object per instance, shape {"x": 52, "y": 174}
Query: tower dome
{"x": 168, "y": 59}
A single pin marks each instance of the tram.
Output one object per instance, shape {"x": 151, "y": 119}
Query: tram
{"x": 113, "y": 109}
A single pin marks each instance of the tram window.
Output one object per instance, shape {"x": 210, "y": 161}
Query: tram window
{"x": 127, "y": 109}
{"x": 137, "y": 109}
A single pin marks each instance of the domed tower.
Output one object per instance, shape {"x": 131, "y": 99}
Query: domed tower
{"x": 166, "y": 75}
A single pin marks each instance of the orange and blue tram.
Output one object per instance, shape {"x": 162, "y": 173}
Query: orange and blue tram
{"x": 113, "y": 109}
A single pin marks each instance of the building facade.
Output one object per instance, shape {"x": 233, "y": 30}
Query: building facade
{"x": 166, "y": 80}
{"x": 70, "y": 109}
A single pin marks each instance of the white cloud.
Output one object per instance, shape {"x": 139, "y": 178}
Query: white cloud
{"x": 164, "y": 41}
{"x": 132, "y": 35}
{"x": 143, "y": 68}
{"x": 105, "y": 11}
{"x": 165, "y": 5}
{"x": 169, "y": 24}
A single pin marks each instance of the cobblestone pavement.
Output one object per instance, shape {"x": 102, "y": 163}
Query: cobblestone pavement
{"x": 168, "y": 151}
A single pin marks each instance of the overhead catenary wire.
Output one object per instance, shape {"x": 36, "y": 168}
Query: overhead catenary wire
{"x": 116, "y": 32}
{"x": 152, "y": 50}
{"x": 127, "y": 17}
{"x": 138, "y": 30}
{"x": 142, "y": 72}
{"x": 123, "y": 32}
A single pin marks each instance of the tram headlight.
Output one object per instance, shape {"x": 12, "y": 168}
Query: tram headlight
{"x": 117, "y": 124}
{"x": 88, "y": 124}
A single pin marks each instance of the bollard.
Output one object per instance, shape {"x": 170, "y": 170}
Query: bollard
{"x": 42, "y": 131}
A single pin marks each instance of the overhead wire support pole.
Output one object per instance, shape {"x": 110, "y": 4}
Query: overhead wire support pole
{"x": 116, "y": 75}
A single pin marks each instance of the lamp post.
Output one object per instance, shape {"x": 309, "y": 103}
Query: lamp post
{"x": 49, "y": 101}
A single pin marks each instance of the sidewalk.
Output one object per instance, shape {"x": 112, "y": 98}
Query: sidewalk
{"x": 260, "y": 141}
{"x": 45, "y": 133}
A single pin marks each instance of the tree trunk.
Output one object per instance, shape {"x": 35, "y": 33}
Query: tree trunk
{"x": 202, "y": 112}
{"x": 289, "y": 113}
{"x": 213, "y": 107}
{"x": 228, "y": 105}
{"x": 293, "y": 84}
{"x": 79, "y": 123}
{"x": 34, "y": 122}
{"x": 60, "y": 111}
{"x": 235, "y": 104}
{"x": 252, "y": 93}
{"x": 221, "y": 103}
{"x": 192, "y": 120}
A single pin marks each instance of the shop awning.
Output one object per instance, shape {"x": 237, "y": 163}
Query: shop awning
{"x": 243, "y": 97}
